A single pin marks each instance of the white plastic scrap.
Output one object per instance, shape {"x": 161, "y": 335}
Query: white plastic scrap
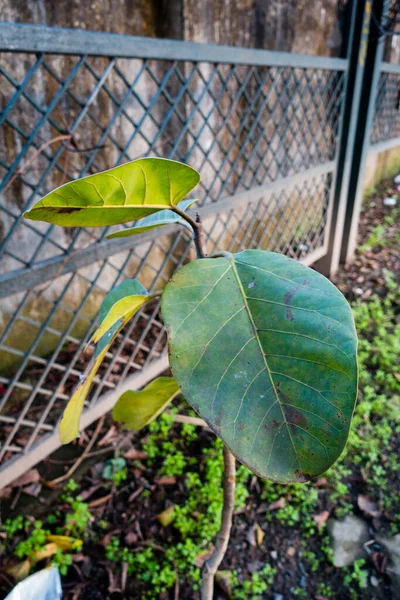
{"x": 390, "y": 201}
{"x": 43, "y": 585}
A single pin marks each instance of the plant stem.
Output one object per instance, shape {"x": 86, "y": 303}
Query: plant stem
{"x": 211, "y": 565}
{"x": 198, "y": 233}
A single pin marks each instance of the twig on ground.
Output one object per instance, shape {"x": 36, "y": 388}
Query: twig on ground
{"x": 82, "y": 457}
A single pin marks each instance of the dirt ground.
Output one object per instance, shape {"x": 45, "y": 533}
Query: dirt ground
{"x": 146, "y": 506}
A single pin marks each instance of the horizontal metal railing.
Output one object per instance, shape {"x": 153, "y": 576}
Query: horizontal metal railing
{"x": 263, "y": 128}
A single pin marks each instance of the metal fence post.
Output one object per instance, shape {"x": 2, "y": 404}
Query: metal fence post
{"x": 356, "y": 120}
{"x": 363, "y": 136}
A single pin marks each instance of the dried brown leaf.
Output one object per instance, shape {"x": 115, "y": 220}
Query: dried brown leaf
{"x": 277, "y": 504}
{"x": 368, "y": 506}
{"x": 259, "y": 535}
{"x": 134, "y": 454}
{"x": 166, "y": 480}
{"x": 201, "y": 558}
{"x": 31, "y": 476}
{"x": 321, "y": 519}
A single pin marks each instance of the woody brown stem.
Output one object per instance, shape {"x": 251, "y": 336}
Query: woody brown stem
{"x": 212, "y": 564}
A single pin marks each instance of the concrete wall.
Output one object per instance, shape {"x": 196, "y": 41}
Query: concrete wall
{"x": 380, "y": 166}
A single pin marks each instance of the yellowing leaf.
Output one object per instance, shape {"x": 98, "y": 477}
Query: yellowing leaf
{"x": 45, "y": 552}
{"x": 125, "y": 193}
{"x": 166, "y": 517}
{"x": 65, "y": 542}
{"x": 123, "y": 309}
{"x": 20, "y": 571}
{"x": 69, "y": 424}
{"x": 137, "y": 409}
{"x": 116, "y": 310}
{"x": 259, "y": 534}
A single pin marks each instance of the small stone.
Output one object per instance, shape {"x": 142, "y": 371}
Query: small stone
{"x": 278, "y": 597}
{"x": 374, "y": 581}
{"x": 274, "y": 554}
{"x": 397, "y": 179}
{"x": 372, "y": 204}
{"x": 348, "y": 537}
{"x": 390, "y": 201}
{"x": 291, "y": 551}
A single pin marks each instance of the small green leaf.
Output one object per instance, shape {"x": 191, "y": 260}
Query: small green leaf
{"x": 163, "y": 217}
{"x": 137, "y": 409}
{"x": 126, "y": 193}
{"x": 264, "y": 349}
{"x": 112, "y": 466}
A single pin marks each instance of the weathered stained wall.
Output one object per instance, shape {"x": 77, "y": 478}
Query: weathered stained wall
{"x": 285, "y": 25}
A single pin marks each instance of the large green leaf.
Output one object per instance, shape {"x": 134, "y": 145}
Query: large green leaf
{"x": 137, "y": 409}
{"x": 117, "y": 308}
{"x": 163, "y": 217}
{"x": 126, "y": 193}
{"x": 264, "y": 349}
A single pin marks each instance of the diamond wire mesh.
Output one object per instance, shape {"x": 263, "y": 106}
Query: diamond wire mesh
{"x": 386, "y": 122}
{"x": 64, "y": 117}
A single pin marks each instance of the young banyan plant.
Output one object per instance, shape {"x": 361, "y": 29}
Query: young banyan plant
{"x": 262, "y": 347}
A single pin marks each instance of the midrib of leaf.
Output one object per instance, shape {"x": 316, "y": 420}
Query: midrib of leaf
{"x": 255, "y": 331}
{"x": 109, "y": 206}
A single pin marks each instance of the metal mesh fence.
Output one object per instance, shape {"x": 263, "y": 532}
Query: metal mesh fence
{"x": 386, "y": 122}
{"x": 264, "y": 138}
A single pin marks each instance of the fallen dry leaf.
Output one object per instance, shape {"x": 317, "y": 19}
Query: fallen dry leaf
{"x": 368, "y": 506}
{"x": 135, "y": 494}
{"x": 166, "y": 480}
{"x": 224, "y": 581}
{"x": 131, "y": 538}
{"x": 321, "y": 482}
{"x": 321, "y": 519}
{"x": 5, "y": 493}
{"x": 100, "y": 501}
{"x": 134, "y": 454}
{"x": 166, "y": 517}
{"x": 20, "y": 571}
{"x": 201, "y": 557}
{"x": 46, "y": 551}
{"x": 110, "y": 437}
{"x": 33, "y": 489}
{"x": 259, "y": 535}
{"x": 277, "y": 504}
{"x": 85, "y": 495}
{"x": 65, "y": 542}
{"x": 251, "y": 535}
{"x": 31, "y": 476}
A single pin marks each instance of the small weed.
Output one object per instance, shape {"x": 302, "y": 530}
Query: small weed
{"x": 255, "y": 587}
